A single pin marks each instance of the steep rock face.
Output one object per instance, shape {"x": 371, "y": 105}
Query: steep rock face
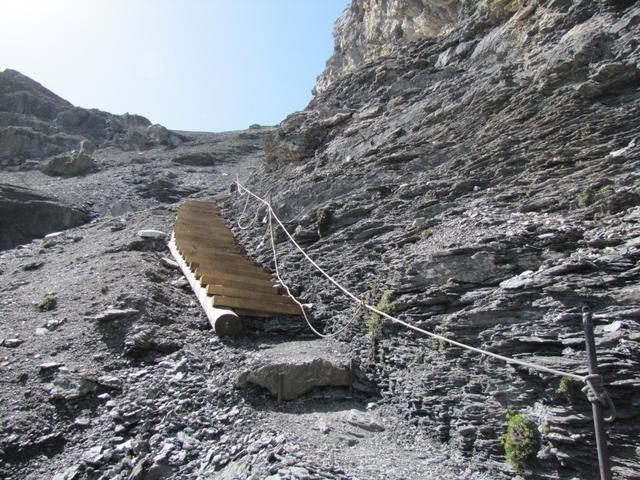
{"x": 36, "y": 123}
{"x": 487, "y": 180}
{"x": 369, "y": 29}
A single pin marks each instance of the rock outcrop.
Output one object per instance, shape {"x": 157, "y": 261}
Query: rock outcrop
{"x": 69, "y": 165}
{"x": 486, "y": 179}
{"x": 26, "y": 214}
{"x": 292, "y": 369}
{"x": 36, "y": 123}
{"x": 369, "y": 29}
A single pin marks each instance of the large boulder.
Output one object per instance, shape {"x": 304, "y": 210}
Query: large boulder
{"x": 25, "y": 214}
{"x": 69, "y": 165}
{"x": 295, "y": 368}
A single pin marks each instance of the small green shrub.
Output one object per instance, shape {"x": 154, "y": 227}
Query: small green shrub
{"x": 104, "y": 288}
{"x": 636, "y": 182}
{"x": 48, "y": 302}
{"x": 568, "y": 388}
{"x": 520, "y": 442}
{"x": 603, "y": 193}
{"x": 373, "y": 324}
{"x": 425, "y": 233}
{"x": 582, "y": 199}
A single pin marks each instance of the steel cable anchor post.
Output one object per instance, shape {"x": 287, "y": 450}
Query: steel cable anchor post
{"x": 596, "y": 405}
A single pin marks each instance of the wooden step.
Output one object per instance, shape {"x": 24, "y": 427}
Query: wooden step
{"x": 212, "y": 270}
{"x": 218, "y": 253}
{"x": 203, "y": 205}
{"x": 212, "y": 248}
{"x": 222, "y": 280}
{"x": 215, "y": 278}
{"x": 226, "y": 291}
{"x": 229, "y": 279}
{"x": 196, "y": 218}
{"x": 206, "y": 225}
{"x": 204, "y": 237}
{"x": 232, "y": 302}
{"x": 244, "y": 266}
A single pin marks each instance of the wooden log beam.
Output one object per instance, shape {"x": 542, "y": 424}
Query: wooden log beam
{"x": 222, "y": 320}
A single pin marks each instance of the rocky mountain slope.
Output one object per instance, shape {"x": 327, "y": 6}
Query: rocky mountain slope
{"x": 36, "y": 123}
{"x": 108, "y": 367}
{"x": 470, "y": 166}
{"x": 481, "y": 175}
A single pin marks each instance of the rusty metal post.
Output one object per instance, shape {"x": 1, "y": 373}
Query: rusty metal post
{"x": 596, "y": 406}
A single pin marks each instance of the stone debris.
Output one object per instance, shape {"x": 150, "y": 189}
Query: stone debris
{"x": 115, "y": 314}
{"x": 71, "y": 387}
{"x": 152, "y": 234}
{"x": 364, "y": 420}
{"x": 11, "y": 342}
{"x": 167, "y": 262}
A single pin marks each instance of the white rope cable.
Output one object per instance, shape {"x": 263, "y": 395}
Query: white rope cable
{"x": 512, "y": 361}
{"x": 284, "y": 285}
{"x": 250, "y": 224}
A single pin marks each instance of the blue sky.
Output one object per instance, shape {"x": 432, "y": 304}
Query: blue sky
{"x": 208, "y": 65}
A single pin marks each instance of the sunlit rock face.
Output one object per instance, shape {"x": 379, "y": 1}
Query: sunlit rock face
{"x": 369, "y": 29}
{"x": 481, "y": 164}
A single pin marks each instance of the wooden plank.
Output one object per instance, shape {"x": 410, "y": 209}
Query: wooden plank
{"x": 242, "y": 285}
{"x": 212, "y": 208}
{"x": 201, "y": 208}
{"x": 204, "y": 237}
{"x": 239, "y": 281}
{"x": 184, "y": 244}
{"x": 202, "y": 204}
{"x": 235, "y": 261}
{"x": 217, "y": 252}
{"x": 187, "y": 250}
{"x": 187, "y": 216}
{"x": 188, "y": 245}
{"x": 226, "y": 291}
{"x": 232, "y": 302}
{"x": 204, "y": 265}
{"x": 210, "y": 269}
{"x": 203, "y": 225}
{"x": 213, "y": 246}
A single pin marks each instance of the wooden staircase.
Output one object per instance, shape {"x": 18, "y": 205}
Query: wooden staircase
{"x": 226, "y": 282}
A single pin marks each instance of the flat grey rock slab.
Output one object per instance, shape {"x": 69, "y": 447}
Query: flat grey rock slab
{"x": 295, "y": 368}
